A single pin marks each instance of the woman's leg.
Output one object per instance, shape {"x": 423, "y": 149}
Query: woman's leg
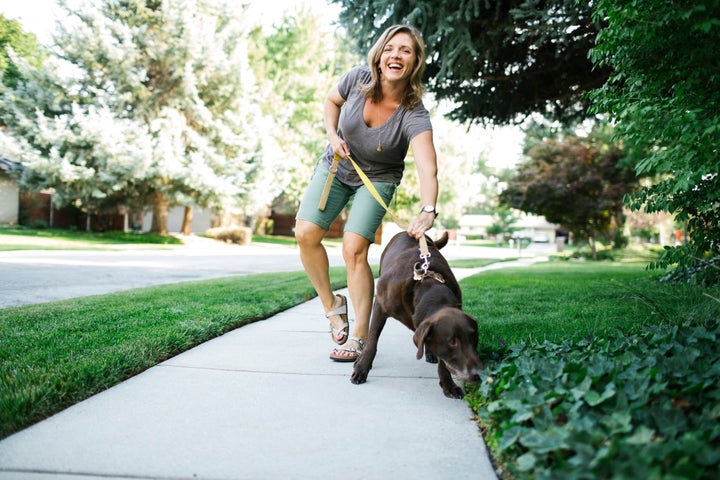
{"x": 315, "y": 261}
{"x": 361, "y": 286}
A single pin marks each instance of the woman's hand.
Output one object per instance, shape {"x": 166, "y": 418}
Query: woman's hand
{"x": 339, "y": 146}
{"x": 421, "y": 224}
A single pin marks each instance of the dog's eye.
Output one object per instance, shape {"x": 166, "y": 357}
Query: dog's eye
{"x": 454, "y": 342}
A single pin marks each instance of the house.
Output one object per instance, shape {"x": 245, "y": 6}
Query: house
{"x": 525, "y": 226}
{"x": 9, "y": 193}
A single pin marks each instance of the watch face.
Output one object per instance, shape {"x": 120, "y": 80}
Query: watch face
{"x": 428, "y": 208}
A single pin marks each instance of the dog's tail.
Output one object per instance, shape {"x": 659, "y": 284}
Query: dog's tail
{"x": 442, "y": 241}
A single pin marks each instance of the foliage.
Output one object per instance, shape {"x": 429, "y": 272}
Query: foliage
{"x": 577, "y": 182}
{"x": 665, "y": 99}
{"x": 140, "y": 104}
{"x": 635, "y": 406}
{"x": 703, "y": 272}
{"x": 497, "y": 61}
{"x": 296, "y": 64}
{"x": 14, "y": 41}
{"x": 503, "y": 222}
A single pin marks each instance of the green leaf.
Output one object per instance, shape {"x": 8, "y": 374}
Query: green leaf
{"x": 580, "y": 391}
{"x": 526, "y": 462}
{"x": 593, "y": 398}
{"x": 545, "y": 441}
{"x": 641, "y": 436}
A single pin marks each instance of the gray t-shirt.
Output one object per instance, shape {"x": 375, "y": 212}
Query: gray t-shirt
{"x": 394, "y": 136}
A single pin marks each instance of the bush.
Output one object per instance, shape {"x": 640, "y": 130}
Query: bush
{"x": 234, "y": 234}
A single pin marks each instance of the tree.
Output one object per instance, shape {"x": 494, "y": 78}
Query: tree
{"x": 665, "y": 100}
{"x": 143, "y": 103}
{"x": 498, "y": 61}
{"x": 578, "y": 182}
{"x": 296, "y": 64}
{"x": 18, "y": 42}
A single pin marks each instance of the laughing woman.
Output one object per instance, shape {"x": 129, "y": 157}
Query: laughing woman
{"x": 374, "y": 114}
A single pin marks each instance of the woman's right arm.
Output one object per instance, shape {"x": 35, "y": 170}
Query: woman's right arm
{"x": 333, "y": 105}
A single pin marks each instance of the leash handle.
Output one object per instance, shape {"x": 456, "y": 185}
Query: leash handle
{"x": 328, "y": 183}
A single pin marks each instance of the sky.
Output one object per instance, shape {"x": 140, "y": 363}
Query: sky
{"x": 502, "y": 146}
{"x": 38, "y": 16}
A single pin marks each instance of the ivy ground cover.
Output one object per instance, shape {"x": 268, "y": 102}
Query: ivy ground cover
{"x": 597, "y": 371}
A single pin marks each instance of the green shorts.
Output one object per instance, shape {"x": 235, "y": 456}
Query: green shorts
{"x": 365, "y": 215}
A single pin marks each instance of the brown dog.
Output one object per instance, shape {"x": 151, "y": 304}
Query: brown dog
{"x": 430, "y": 306}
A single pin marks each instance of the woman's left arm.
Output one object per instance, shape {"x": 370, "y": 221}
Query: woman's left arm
{"x": 426, "y": 161}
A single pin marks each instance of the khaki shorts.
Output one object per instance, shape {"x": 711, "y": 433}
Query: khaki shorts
{"x": 365, "y": 215}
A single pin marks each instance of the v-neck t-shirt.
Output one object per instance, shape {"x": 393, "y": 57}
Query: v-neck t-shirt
{"x": 394, "y": 135}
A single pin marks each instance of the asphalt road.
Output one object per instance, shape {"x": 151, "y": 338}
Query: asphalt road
{"x": 37, "y": 276}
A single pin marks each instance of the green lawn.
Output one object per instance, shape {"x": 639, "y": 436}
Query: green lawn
{"x": 21, "y": 238}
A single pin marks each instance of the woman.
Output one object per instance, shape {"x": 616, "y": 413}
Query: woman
{"x": 374, "y": 114}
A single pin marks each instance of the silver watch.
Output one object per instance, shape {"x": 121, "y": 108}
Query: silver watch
{"x": 429, "y": 209}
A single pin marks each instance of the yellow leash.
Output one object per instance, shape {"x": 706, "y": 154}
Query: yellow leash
{"x": 424, "y": 252}
{"x": 368, "y": 184}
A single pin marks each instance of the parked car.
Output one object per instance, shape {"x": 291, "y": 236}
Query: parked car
{"x": 541, "y": 237}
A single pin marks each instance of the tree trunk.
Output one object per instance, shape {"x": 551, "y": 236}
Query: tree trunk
{"x": 593, "y": 247}
{"x": 160, "y": 213}
{"x": 187, "y": 221}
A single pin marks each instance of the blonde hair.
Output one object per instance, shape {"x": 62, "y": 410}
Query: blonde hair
{"x": 414, "y": 92}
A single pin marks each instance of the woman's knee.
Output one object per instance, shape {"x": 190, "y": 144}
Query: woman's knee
{"x": 355, "y": 249}
{"x": 307, "y": 233}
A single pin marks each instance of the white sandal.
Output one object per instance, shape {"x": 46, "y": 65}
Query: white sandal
{"x": 344, "y": 329}
{"x": 340, "y": 354}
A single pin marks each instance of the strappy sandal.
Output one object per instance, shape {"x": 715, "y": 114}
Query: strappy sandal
{"x": 348, "y": 352}
{"x": 344, "y": 329}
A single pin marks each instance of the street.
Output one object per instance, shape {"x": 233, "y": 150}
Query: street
{"x": 36, "y": 276}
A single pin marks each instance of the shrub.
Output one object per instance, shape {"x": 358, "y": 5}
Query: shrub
{"x": 234, "y": 234}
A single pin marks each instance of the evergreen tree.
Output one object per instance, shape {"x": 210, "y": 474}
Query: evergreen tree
{"x": 498, "y": 61}
{"x": 142, "y": 103}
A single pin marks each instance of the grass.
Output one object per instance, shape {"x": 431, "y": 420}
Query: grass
{"x": 561, "y": 301}
{"x": 21, "y": 238}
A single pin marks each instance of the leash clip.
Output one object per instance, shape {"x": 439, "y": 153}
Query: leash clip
{"x": 418, "y": 272}
{"x": 421, "y": 271}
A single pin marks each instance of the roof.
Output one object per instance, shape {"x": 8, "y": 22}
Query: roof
{"x": 9, "y": 166}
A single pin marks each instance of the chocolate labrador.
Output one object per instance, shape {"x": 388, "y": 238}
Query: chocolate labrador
{"x": 428, "y": 301}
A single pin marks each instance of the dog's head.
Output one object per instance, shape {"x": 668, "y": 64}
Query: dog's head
{"x": 452, "y": 336}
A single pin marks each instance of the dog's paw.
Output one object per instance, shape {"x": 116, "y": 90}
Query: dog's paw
{"x": 359, "y": 375}
{"x": 452, "y": 390}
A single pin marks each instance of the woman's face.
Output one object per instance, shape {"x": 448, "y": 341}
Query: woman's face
{"x": 397, "y": 60}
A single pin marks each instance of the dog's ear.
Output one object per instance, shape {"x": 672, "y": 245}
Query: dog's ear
{"x": 473, "y": 325}
{"x": 421, "y": 333}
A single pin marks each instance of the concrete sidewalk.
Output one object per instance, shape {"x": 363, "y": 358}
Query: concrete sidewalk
{"x": 263, "y": 402}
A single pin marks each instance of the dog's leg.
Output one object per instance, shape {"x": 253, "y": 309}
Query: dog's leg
{"x": 364, "y": 362}
{"x": 448, "y": 385}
